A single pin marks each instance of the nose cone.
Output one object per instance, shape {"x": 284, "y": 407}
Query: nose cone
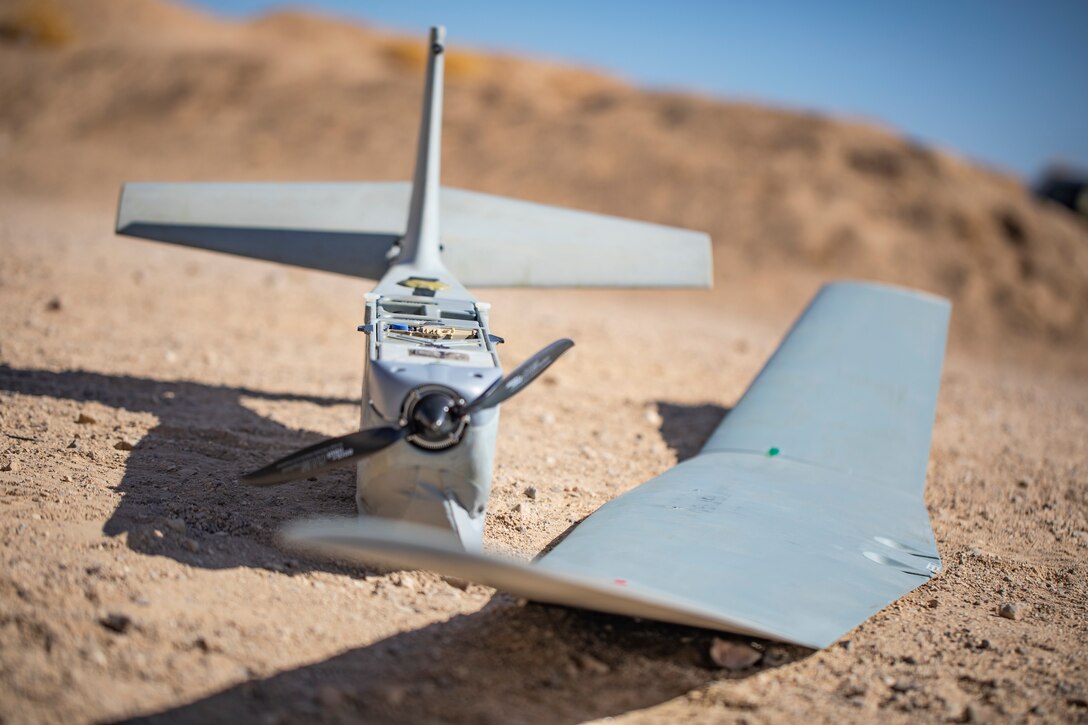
{"x": 431, "y": 418}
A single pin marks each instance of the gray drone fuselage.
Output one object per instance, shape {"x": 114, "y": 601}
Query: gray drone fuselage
{"x": 445, "y": 486}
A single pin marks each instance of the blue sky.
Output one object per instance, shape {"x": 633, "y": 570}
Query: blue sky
{"x": 1001, "y": 82}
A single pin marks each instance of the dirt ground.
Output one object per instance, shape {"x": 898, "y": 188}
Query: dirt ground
{"x": 140, "y": 580}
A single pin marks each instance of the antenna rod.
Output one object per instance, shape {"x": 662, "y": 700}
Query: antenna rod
{"x": 420, "y": 243}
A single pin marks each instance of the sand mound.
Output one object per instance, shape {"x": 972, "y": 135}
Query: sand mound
{"x": 151, "y": 90}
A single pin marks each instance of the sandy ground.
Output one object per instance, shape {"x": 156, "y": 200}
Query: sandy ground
{"x": 139, "y": 579}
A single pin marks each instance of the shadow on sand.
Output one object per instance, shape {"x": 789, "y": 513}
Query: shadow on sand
{"x": 686, "y": 428}
{"x": 186, "y": 468}
{"x": 503, "y": 664}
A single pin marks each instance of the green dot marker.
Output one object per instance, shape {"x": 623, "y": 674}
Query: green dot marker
{"x": 772, "y": 452}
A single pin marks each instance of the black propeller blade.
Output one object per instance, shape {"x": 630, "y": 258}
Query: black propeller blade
{"x": 434, "y": 418}
{"x": 524, "y": 374}
{"x": 324, "y": 455}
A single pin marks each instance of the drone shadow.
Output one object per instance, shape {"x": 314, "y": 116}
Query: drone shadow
{"x": 503, "y": 664}
{"x": 686, "y": 428}
{"x": 180, "y": 494}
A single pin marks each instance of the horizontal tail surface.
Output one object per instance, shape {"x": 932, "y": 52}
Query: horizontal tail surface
{"x": 352, "y": 228}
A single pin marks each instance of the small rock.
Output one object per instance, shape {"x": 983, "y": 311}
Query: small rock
{"x": 1011, "y": 610}
{"x": 550, "y": 461}
{"x": 395, "y": 694}
{"x": 904, "y": 685}
{"x": 852, "y": 688}
{"x": 116, "y": 622}
{"x": 176, "y": 524}
{"x": 933, "y": 604}
{"x": 85, "y": 419}
{"x": 1023, "y": 483}
{"x": 66, "y": 479}
{"x": 733, "y": 655}
{"x": 589, "y": 663}
{"x": 547, "y": 418}
{"x": 96, "y": 656}
{"x": 123, "y": 445}
{"x": 775, "y": 656}
{"x": 54, "y": 304}
{"x": 329, "y": 696}
{"x": 456, "y": 583}
{"x": 405, "y": 581}
{"x": 74, "y": 444}
{"x": 191, "y": 545}
{"x": 530, "y": 492}
{"x": 653, "y": 417}
{"x": 7, "y": 463}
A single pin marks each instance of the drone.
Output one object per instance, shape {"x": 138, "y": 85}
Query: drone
{"x": 801, "y": 516}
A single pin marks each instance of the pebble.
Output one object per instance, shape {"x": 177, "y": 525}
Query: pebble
{"x": 116, "y": 622}
{"x": 589, "y": 663}
{"x": 456, "y": 583}
{"x": 1011, "y": 610}
{"x": 123, "y": 445}
{"x": 329, "y": 696}
{"x": 7, "y": 463}
{"x": 733, "y": 655}
{"x": 176, "y": 524}
{"x": 933, "y": 604}
{"x": 547, "y": 418}
{"x": 190, "y": 545}
{"x": 54, "y": 304}
{"x": 395, "y": 694}
{"x": 85, "y": 419}
{"x": 530, "y": 492}
{"x": 904, "y": 685}
{"x": 653, "y": 417}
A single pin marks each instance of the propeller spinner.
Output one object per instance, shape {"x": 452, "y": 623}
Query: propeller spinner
{"x": 435, "y": 419}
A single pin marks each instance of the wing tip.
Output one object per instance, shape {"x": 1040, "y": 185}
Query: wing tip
{"x": 889, "y": 289}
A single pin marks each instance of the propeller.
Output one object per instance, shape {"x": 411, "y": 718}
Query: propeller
{"x": 435, "y": 420}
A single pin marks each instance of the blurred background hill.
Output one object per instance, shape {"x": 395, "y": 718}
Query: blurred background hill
{"x": 96, "y": 92}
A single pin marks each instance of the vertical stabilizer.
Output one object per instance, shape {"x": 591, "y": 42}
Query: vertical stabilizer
{"x": 420, "y": 244}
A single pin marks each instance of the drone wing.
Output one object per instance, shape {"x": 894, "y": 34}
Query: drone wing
{"x": 351, "y": 228}
{"x": 802, "y": 516}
